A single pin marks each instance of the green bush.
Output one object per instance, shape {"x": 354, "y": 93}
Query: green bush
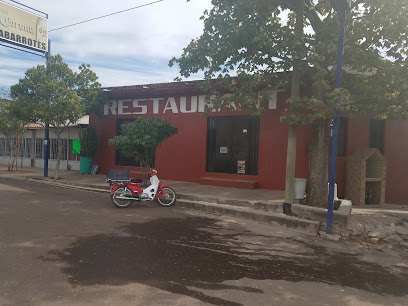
{"x": 89, "y": 142}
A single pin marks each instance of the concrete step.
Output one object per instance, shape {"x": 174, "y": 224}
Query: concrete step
{"x": 275, "y": 207}
{"x": 228, "y": 182}
{"x": 302, "y": 225}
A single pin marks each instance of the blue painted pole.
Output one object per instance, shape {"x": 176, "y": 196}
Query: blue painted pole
{"x": 47, "y": 126}
{"x": 335, "y": 129}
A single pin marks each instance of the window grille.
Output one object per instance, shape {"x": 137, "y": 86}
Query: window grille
{"x": 39, "y": 148}
{"x": 3, "y": 142}
{"x": 8, "y": 151}
{"x": 54, "y": 149}
{"x": 24, "y": 147}
{"x": 71, "y": 155}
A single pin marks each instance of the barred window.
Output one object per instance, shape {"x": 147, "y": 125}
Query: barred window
{"x": 24, "y": 147}
{"x": 71, "y": 154}
{"x": 64, "y": 149}
{"x": 3, "y": 142}
{"x": 54, "y": 149}
{"x": 39, "y": 148}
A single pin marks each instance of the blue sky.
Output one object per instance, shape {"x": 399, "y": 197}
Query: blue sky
{"x": 126, "y": 49}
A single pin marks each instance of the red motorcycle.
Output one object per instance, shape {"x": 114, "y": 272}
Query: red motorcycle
{"x": 125, "y": 190}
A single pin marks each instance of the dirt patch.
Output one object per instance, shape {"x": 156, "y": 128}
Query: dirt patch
{"x": 178, "y": 254}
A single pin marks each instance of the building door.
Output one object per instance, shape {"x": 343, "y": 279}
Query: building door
{"x": 232, "y": 145}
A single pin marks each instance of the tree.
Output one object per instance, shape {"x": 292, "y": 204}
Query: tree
{"x": 89, "y": 142}
{"x": 56, "y": 95}
{"x": 10, "y": 127}
{"x": 255, "y": 39}
{"x": 141, "y": 139}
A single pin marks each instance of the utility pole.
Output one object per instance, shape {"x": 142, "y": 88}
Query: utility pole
{"x": 47, "y": 126}
{"x": 295, "y": 89}
{"x": 341, "y": 7}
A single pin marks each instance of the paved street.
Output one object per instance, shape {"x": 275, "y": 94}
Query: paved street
{"x": 66, "y": 246}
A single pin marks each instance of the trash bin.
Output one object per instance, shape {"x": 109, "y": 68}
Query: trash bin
{"x": 85, "y": 165}
{"x": 300, "y": 186}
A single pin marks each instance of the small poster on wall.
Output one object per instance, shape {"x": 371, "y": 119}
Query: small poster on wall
{"x": 241, "y": 166}
{"x": 223, "y": 150}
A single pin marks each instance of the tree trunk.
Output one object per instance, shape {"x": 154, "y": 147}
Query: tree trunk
{"x": 317, "y": 187}
{"x": 59, "y": 144}
{"x": 12, "y": 158}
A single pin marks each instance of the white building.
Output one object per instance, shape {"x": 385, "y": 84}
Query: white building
{"x": 31, "y": 146}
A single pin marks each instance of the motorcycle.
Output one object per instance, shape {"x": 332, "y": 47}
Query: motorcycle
{"x": 125, "y": 190}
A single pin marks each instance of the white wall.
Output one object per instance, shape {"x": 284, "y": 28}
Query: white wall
{"x": 68, "y": 133}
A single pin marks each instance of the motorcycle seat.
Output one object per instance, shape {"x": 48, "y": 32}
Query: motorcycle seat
{"x": 136, "y": 181}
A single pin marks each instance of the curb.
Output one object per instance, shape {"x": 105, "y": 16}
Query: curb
{"x": 275, "y": 207}
{"x": 302, "y": 225}
{"x": 340, "y": 216}
{"x": 70, "y": 185}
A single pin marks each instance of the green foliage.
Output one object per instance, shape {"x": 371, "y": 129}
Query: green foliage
{"x": 141, "y": 138}
{"x": 9, "y": 123}
{"x": 55, "y": 94}
{"x": 88, "y": 141}
{"x": 254, "y": 40}
{"x": 10, "y": 126}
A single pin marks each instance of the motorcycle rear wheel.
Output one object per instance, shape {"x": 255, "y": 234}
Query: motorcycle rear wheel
{"x": 121, "y": 203}
{"x": 169, "y": 197}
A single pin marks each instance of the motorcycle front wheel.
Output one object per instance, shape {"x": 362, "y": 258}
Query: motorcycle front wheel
{"x": 169, "y": 197}
{"x": 121, "y": 203}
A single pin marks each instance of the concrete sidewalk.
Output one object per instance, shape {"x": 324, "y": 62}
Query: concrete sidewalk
{"x": 260, "y": 205}
{"x": 99, "y": 181}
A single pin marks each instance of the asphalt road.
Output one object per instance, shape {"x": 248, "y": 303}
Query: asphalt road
{"x": 65, "y": 246}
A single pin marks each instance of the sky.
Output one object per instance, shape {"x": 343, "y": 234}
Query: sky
{"x": 131, "y": 48}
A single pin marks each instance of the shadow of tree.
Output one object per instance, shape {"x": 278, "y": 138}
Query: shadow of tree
{"x": 178, "y": 254}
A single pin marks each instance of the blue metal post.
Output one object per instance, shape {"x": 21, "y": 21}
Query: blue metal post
{"x": 335, "y": 129}
{"x": 47, "y": 126}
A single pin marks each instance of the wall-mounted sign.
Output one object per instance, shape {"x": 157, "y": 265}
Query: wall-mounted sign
{"x": 223, "y": 150}
{"x": 22, "y": 28}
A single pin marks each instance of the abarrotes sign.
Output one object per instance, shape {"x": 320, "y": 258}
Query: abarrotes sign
{"x": 22, "y": 28}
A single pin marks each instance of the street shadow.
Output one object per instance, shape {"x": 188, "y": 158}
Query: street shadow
{"x": 179, "y": 254}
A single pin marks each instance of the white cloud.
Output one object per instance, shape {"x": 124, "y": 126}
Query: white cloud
{"x": 159, "y": 30}
{"x": 110, "y": 77}
{"x": 129, "y": 48}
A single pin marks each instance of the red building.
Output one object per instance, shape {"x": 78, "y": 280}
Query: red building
{"x": 235, "y": 149}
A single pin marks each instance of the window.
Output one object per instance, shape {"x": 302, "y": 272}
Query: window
{"x": 121, "y": 160}
{"x": 3, "y": 147}
{"x": 71, "y": 154}
{"x": 54, "y": 149}
{"x": 232, "y": 145}
{"x": 377, "y": 131}
{"x": 39, "y": 148}
{"x": 24, "y": 147}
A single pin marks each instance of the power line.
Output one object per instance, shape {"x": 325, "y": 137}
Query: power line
{"x": 74, "y": 24}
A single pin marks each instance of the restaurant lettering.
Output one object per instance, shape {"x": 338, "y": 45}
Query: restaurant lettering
{"x": 179, "y": 105}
